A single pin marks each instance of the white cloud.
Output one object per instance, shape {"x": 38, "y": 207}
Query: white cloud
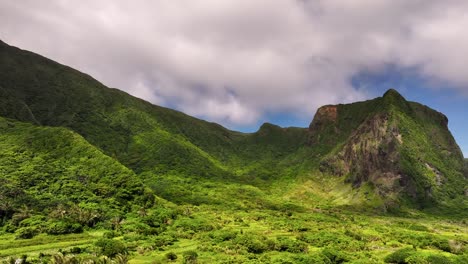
{"x": 234, "y": 60}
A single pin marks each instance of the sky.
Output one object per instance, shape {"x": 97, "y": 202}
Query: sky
{"x": 244, "y": 62}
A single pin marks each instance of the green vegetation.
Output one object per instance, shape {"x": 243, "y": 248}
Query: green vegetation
{"x": 90, "y": 174}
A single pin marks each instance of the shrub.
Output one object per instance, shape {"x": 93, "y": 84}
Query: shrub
{"x": 109, "y": 234}
{"x": 61, "y": 227}
{"x": 312, "y": 258}
{"x": 442, "y": 244}
{"x": 111, "y": 247}
{"x": 190, "y": 257}
{"x": 171, "y": 256}
{"x": 135, "y": 226}
{"x": 293, "y": 246}
{"x": 334, "y": 255}
{"x": 75, "y": 250}
{"x": 159, "y": 217}
{"x": 432, "y": 259}
{"x": 33, "y": 221}
{"x": 164, "y": 240}
{"x": 400, "y": 256}
{"x": 9, "y": 228}
{"x": 195, "y": 224}
{"x": 222, "y": 235}
{"x": 417, "y": 227}
{"x": 325, "y": 238}
{"x": 253, "y": 244}
{"x": 25, "y": 233}
{"x": 461, "y": 259}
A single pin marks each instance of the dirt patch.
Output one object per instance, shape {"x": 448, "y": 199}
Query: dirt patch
{"x": 329, "y": 112}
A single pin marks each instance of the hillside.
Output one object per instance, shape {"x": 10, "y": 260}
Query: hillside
{"x": 45, "y": 170}
{"x": 142, "y": 136}
{"x": 96, "y": 165}
{"x": 400, "y": 147}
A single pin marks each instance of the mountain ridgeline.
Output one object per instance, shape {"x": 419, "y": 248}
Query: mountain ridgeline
{"x": 68, "y": 128}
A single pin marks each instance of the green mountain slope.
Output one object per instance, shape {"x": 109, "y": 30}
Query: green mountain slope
{"x": 140, "y": 135}
{"x": 399, "y": 147}
{"x": 43, "y": 169}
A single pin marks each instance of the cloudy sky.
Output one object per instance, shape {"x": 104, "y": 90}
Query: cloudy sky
{"x": 244, "y": 62}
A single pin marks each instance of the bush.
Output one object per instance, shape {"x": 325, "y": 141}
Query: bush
{"x": 222, "y": 235}
{"x": 34, "y": 221}
{"x": 164, "y": 240}
{"x": 159, "y": 217}
{"x": 293, "y": 246}
{"x": 442, "y": 244}
{"x": 9, "y": 228}
{"x": 75, "y": 250}
{"x": 417, "y": 227}
{"x": 400, "y": 256}
{"x": 334, "y": 255}
{"x": 190, "y": 257}
{"x": 111, "y": 247}
{"x": 109, "y": 234}
{"x": 25, "y": 233}
{"x": 61, "y": 228}
{"x": 171, "y": 256}
{"x": 194, "y": 224}
{"x": 253, "y": 244}
{"x": 432, "y": 259}
{"x": 325, "y": 238}
{"x": 312, "y": 258}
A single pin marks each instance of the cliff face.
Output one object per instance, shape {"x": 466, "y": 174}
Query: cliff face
{"x": 401, "y": 148}
{"x": 324, "y": 122}
{"x": 371, "y": 150}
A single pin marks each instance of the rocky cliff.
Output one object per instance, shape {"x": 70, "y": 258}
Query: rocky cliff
{"x": 401, "y": 148}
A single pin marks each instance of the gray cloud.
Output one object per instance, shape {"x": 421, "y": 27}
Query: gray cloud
{"x": 232, "y": 61}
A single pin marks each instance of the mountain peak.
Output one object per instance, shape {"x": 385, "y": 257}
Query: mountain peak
{"x": 392, "y": 93}
{"x": 266, "y": 127}
{"x": 393, "y": 96}
{"x": 398, "y": 147}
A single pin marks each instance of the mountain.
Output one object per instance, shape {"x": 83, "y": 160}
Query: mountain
{"x": 401, "y": 148}
{"x": 42, "y": 167}
{"x": 140, "y": 135}
{"x": 79, "y": 157}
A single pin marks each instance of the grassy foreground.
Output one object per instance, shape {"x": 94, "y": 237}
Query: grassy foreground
{"x": 281, "y": 225}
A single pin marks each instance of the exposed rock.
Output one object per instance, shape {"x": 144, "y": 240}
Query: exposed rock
{"x": 328, "y": 112}
{"x": 392, "y": 144}
{"x": 438, "y": 175}
{"x": 324, "y": 122}
{"x": 370, "y": 153}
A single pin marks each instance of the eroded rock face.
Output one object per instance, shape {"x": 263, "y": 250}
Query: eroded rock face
{"x": 328, "y": 112}
{"x": 371, "y": 153}
{"x": 325, "y": 121}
